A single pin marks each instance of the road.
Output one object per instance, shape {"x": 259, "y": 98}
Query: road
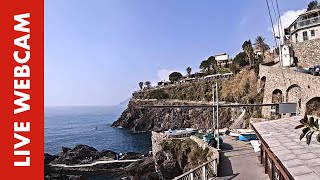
{"x": 238, "y": 161}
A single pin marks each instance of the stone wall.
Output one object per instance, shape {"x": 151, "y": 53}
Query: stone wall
{"x": 213, "y": 152}
{"x": 295, "y": 86}
{"x": 308, "y": 53}
{"x": 157, "y": 139}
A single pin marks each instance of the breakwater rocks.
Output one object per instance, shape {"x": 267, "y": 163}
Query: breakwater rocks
{"x": 159, "y": 119}
{"x": 83, "y": 154}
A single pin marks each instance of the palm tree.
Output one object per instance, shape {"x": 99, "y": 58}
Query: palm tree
{"x": 189, "y": 71}
{"x": 141, "y": 85}
{"x": 261, "y": 45}
{"x": 248, "y": 49}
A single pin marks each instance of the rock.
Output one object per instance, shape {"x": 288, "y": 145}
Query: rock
{"x": 143, "y": 169}
{"x": 178, "y": 157}
{"x": 81, "y": 154}
{"x": 48, "y": 158}
{"x": 131, "y": 155}
{"x": 159, "y": 119}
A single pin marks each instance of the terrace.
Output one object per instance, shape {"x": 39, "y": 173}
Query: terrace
{"x": 308, "y": 19}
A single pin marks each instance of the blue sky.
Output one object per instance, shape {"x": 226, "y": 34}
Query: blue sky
{"x": 97, "y": 51}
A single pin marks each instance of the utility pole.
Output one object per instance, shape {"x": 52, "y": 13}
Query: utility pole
{"x": 213, "y": 112}
{"x": 217, "y": 97}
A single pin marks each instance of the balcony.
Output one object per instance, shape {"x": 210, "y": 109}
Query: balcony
{"x": 306, "y": 23}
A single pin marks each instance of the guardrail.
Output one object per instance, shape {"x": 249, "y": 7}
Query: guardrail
{"x": 203, "y": 172}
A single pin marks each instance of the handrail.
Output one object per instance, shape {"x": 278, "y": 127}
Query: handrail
{"x": 204, "y": 174}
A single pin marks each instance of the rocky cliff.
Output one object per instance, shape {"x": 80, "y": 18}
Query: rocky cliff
{"x": 159, "y": 119}
{"x": 239, "y": 89}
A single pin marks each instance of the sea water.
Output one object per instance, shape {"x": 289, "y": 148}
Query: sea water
{"x": 70, "y": 126}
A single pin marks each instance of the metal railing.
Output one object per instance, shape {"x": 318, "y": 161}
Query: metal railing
{"x": 203, "y": 172}
{"x": 307, "y": 22}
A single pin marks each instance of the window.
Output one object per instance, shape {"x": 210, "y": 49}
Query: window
{"x": 313, "y": 33}
{"x": 305, "y": 35}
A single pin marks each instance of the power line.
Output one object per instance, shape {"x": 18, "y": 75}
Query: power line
{"x": 274, "y": 34}
{"x": 279, "y": 14}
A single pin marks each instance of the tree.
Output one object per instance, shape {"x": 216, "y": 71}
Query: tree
{"x": 212, "y": 61}
{"x": 208, "y": 66}
{"x": 234, "y": 68}
{"x": 141, "y": 85}
{"x": 205, "y": 66}
{"x": 312, "y": 5}
{"x": 248, "y": 49}
{"x": 261, "y": 45}
{"x": 241, "y": 59}
{"x": 148, "y": 84}
{"x": 175, "y": 76}
{"x": 189, "y": 71}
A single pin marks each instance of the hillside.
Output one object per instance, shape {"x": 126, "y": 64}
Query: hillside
{"x": 242, "y": 89}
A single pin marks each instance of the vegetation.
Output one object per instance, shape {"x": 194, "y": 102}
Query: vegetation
{"x": 261, "y": 45}
{"x": 148, "y": 84}
{"x": 141, "y": 85}
{"x": 187, "y": 151}
{"x": 209, "y": 66}
{"x": 313, "y": 5}
{"x": 189, "y": 71}
{"x": 158, "y": 94}
{"x": 175, "y": 76}
{"x": 248, "y": 50}
{"x": 241, "y": 59}
{"x": 310, "y": 126}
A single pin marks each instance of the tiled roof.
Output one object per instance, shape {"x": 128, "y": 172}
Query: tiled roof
{"x": 301, "y": 161}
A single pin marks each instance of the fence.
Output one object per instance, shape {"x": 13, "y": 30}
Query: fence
{"x": 203, "y": 172}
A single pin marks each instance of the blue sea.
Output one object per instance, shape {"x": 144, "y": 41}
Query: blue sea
{"x": 69, "y": 126}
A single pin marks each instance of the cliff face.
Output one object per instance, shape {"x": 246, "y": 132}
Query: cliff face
{"x": 240, "y": 89}
{"x": 159, "y": 119}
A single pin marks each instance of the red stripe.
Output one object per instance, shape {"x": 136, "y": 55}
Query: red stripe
{"x": 8, "y": 9}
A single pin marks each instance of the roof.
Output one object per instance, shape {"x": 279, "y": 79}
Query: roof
{"x": 221, "y": 54}
{"x": 309, "y": 12}
{"x": 303, "y": 14}
{"x": 301, "y": 161}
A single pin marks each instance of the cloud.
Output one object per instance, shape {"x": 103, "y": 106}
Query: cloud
{"x": 287, "y": 19}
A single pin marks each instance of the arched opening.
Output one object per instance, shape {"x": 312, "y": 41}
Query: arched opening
{"x": 277, "y": 96}
{"x": 293, "y": 94}
{"x": 313, "y": 107}
{"x": 263, "y": 82}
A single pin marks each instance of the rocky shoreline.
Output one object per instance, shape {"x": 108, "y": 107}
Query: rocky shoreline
{"x": 83, "y": 154}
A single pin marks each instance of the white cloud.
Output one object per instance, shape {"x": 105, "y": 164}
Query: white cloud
{"x": 286, "y": 20}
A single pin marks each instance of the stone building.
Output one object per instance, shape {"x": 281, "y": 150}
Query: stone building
{"x": 305, "y": 27}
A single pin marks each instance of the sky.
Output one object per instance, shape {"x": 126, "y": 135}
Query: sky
{"x": 97, "y": 51}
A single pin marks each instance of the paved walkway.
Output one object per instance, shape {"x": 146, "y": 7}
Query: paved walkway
{"x": 94, "y": 163}
{"x": 238, "y": 161}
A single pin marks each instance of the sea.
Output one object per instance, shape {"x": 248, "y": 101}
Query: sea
{"x": 70, "y": 126}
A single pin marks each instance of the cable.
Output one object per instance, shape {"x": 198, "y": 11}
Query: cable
{"x": 274, "y": 34}
{"x": 279, "y": 33}
{"x": 279, "y": 14}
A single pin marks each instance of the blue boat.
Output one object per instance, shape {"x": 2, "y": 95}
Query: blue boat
{"x": 247, "y": 137}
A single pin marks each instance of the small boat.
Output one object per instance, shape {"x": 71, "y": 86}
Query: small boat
{"x": 248, "y": 136}
{"x": 95, "y": 128}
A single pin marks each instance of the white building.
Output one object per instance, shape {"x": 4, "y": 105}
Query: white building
{"x": 305, "y": 27}
{"x": 222, "y": 59}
